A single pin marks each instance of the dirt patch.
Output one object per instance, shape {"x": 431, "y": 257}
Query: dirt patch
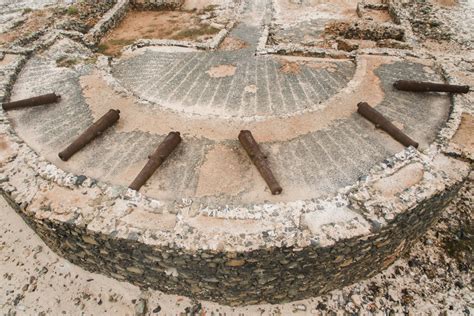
{"x": 289, "y": 67}
{"x": 464, "y": 135}
{"x": 377, "y": 15}
{"x": 201, "y": 4}
{"x": 403, "y": 179}
{"x": 8, "y": 59}
{"x": 222, "y": 71}
{"x": 447, "y": 3}
{"x": 289, "y": 11}
{"x": 442, "y": 46}
{"x": 232, "y": 43}
{"x": 251, "y": 88}
{"x": 223, "y": 172}
{"x": 175, "y": 25}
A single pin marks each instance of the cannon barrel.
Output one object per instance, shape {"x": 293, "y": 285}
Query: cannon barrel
{"x": 156, "y": 159}
{"x": 420, "y": 86}
{"x": 102, "y": 124}
{"x": 35, "y": 101}
{"x": 381, "y": 122}
{"x": 260, "y": 161}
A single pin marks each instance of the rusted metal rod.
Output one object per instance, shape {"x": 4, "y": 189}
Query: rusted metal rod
{"x": 260, "y": 161}
{"x": 106, "y": 121}
{"x": 381, "y": 122}
{"x": 420, "y": 86}
{"x": 156, "y": 159}
{"x": 35, "y": 101}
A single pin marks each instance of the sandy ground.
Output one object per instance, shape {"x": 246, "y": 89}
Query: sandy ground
{"x": 434, "y": 278}
{"x": 201, "y": 4}
{"x": 177, "y": 25}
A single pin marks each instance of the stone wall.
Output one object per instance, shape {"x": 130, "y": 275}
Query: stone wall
{"x": 156, "y": 4}
{"x": 112, "y": 18}
{"x": 272, "y": 275}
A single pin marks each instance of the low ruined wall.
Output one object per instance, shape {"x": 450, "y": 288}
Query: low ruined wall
{"x": 115, "y": 15}
{"x": 112, "y": 18}
{"x": 156, "y": 4}
{"x": 268, "y": 275}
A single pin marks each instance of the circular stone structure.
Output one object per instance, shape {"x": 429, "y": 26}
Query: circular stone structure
{"x": 206, "y": 225}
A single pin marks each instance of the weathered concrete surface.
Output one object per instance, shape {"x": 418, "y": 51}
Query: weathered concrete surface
{"x": 257, "y": 86}
{"x": 316, "y": 152}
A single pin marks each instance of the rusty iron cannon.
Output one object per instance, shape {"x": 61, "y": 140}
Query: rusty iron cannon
{"x": 96, "y": 129}
{"x": 35, "y": 101}
{"x": 260, "y": 161}
{"x": 384, "y": 124}
{"x": 420, "y": 86}
{"x": 156, "y": 159}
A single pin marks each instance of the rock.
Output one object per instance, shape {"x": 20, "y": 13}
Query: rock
{"x": 356, "y": 299}
{"x": 217, "y": 26}
{"x": 194, "y": 310}
{"x": 300, "y": 307}
{"x": 141, "y": 307}
{"x": 80, "y": 180}
{"x": 391, "y": 43}
{"x": 393, "y": 295}
{"x": 346, "y": 45}
{"x": 235, "y": 263}
{"x": 135, "y": 270}
{"x": 17, "y": 299}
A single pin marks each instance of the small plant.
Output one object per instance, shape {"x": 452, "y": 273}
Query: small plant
{"x": 121, "y": 42}
{"x": 211, "y": 7}
{"x": 194, "y": 33}
{"x": 27, "y": 10}
{"x": 66, "y": 62}
{"x": 18, "y": 23}
{"x": 102, "y": 48}
{"x": 72, "y": 10}
{"x": 91, "y": 60}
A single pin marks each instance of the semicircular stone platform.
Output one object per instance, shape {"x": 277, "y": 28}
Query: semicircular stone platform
{"x": 313, "y": 152}
{"x": 230, "y": 84}
{"x": 205, "y": 225}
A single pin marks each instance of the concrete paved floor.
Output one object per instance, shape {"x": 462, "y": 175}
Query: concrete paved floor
{"x": 312, "y": 153}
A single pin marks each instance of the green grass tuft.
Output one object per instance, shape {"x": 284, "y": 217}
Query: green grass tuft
{"x": 72, "y": 10}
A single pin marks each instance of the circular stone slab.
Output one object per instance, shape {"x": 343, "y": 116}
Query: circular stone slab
{"x": 205, "y": 225}
{"x": 312, "y": 153}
